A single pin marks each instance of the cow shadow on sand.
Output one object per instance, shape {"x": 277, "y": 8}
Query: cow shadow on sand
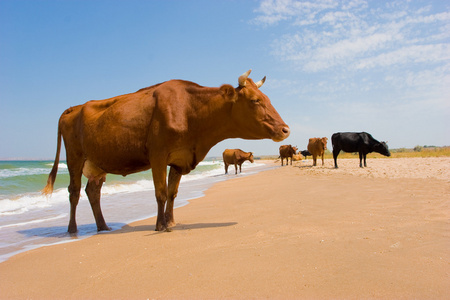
{"x": 177, "y": 227}
{"x": 306, "y": 167}
{"x": 86, "y": 230}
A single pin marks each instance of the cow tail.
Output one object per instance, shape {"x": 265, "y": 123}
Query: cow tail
{"x": 48, "y": 189}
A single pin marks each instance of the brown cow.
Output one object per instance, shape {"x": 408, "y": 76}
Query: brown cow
{"x": 317, "y": 147}
{"x": 236, "y": 157}
{"x": 174, "y": 124}
{"x": 287, "y": 151}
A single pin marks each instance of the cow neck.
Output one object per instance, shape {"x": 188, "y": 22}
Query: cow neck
{"x": 217, "y": 126}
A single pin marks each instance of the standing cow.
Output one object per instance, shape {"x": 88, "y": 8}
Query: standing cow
{"x": 236, "y": 157}
{"x": 361, "y": 142}
{"x": 305, "y": 153}
{"x": 287, "y": 151}
{"x": 174, "y": 123}
{"x": 317, "y": 147}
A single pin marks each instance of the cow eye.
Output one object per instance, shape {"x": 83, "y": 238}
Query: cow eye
{"x": 255, "y": 101}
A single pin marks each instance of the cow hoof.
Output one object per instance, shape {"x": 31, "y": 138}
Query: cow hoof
{"x": 168, "y": 230}
{"x": 72, "y": 229}
{"x": 161, "y": 228}
{"x": 104, "y": 228}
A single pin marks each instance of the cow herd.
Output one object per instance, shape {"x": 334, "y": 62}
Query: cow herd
{"x": 169, "y": 127}
{"x": 361, "y": 142}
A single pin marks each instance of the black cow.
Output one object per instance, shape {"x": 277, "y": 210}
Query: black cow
{"x": 361, "y": 142}
{"x": 305, "y": 153}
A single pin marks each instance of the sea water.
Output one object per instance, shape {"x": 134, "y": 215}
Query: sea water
{"x": 30, "y": 220}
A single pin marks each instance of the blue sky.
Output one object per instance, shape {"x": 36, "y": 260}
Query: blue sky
{"x": 375, "y": 66}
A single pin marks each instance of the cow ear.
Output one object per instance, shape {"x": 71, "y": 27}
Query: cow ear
{"x": 228, "y": 92}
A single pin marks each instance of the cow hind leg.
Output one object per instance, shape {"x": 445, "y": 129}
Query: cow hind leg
{"x": 235, "y": 169}
{"x": 360, "y": 159}
{"x": 174, "y": 182}
{"x": 74, "y": 197}
{"x": 74, "y": 165}
{"x": 93, "y": 191}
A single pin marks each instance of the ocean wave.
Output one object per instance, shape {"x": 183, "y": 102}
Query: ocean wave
{"x": 211, "y": 163}
{"x": 35, "y": 221}
{"x": 60, "y": 165}
{"x": 6, "y": 173}
{"x": 27, "y": 202}
{"x": 16, "y": 172}
{"x": 35, "y": 200}
{"x": 138, "y": 186}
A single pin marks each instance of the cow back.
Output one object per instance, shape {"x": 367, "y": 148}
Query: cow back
{"x": 287, "y": 151}
{"x": 317, "y": 146}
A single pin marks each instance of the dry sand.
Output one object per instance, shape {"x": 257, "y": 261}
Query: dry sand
{"x": 297, "y": 232}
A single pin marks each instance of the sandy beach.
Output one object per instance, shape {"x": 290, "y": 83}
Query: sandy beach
{"x": 296, "y": 232}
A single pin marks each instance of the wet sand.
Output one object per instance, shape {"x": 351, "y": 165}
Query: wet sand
{"x": 297, "y": 232}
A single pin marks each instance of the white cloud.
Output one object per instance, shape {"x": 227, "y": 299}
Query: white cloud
{"x": 410, "y": 54}
{"x": 363, "y": 65}
{"x": 353, "y": 36}
{"x": 274, "y": 11}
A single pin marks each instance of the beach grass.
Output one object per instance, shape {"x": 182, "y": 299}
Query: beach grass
{"x": 400, "y": 153}
{"x": 417, "y": 151}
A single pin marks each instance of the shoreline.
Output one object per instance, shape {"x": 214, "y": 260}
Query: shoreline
{"x": 285, "y": 233}
{"x": 37, "y": 228}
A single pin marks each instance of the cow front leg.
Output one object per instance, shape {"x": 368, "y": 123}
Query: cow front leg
{"x": 365, "y": 164}
{"x": 360, "y": 159}
{"x": 174, "y": 182}
{"x": 159, "y": 180}
{"x": 235, "y": 169}
{"x": 93, "y": 191}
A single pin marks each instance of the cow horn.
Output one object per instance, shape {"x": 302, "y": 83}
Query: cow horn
{"x": 261, "y": 82}
{"x": 243, "y": 78}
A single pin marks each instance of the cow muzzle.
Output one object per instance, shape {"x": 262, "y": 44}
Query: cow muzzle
{"x": 282, "y": 134}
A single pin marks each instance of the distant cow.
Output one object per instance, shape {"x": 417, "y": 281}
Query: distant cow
{"x": 236, "y": 157}
{"x": 296, "y": 157}
{"x": 317, "y": 147}
{"x": 361, "y": 142}
{"x": 305, "y": 153}
{"x": 287, "y": 151}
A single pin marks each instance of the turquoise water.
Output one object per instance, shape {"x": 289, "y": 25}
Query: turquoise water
{"x": 29, "y": 220}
